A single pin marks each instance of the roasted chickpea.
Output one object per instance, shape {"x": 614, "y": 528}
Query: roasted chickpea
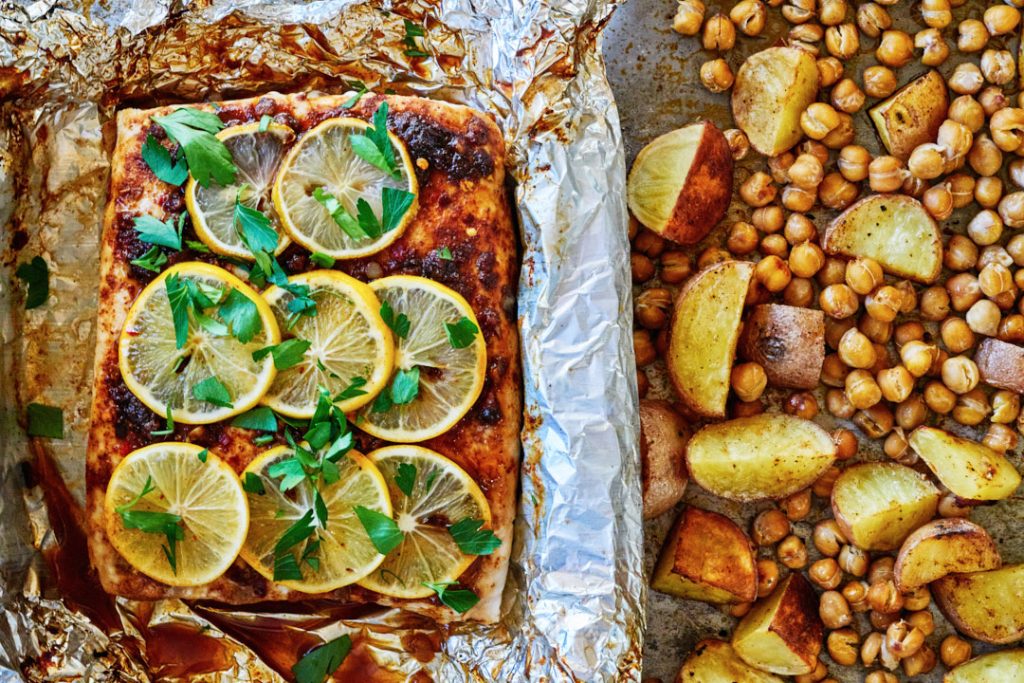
{"x": 743, "y": 238}
{"x": 689, "y": 17}
{"x": 652, "y": 306}
{"x": 856, "y": 350}
{"x": 826, "y": 573}
{"x": 884, "y": 303}
{"x": 856, "y": 593}
{"x": 719, "y": 34}
{"x": 799, "y": 292}
{"x": 956, "y": 335}
{"x": 642, "y": 267}
{"x": 773, "y": 273}
{"x": 1005, "y": 406}
{"x": 897, "y": 448}
{"x": 939, "y": 398}
{"x": 961, "y": 186}
{"x": 912, "y": 412}
{"x": 792, "y": 552}
{"x": 885, "y": 174}
{"x": 936, "y": 13}
{"x": 984, "y": 317}
{"x": 896, "y": 49}
{"x": 863, "y": 275}
{"x": 884, "y": 598}
{"x": 881, "y": 676}
{"x": 896, "y": 383}
{"x": 877, "y": 331}
{"x": 649, "y": 243}
{"x": 834, "y": 610}
{"x": 1001, "y": 19}
{"x": 938, "y": 202}
{"x": 748, "y": 381}
{"x": 832, "y": 12}
{"x": 716, "y": 75}
{"x": 798, "y": 11}
{"x": 836, "y": 192}
{"x": 960, "y": 374}
{"x": 862, "y": 390}
{"x": 835, "y": 329}
{"x": 828, "y": 538}
{"x": 797, "y": 198}
{"x": 853, "y": 560}
{"x": 814, "y": 148}
{"x": 806, "y": 259}
{"x": 842, "y": 41}
{"x": 998, "y": 66}
{"x": 934, "y": 303}
{"x": 758, "y": 189}
{"x": 881, "y": 569}
{"x": 847, "y": 96}
{"x": 875, "y": 422}
{"x": 934, "y": 49}
{"x": 1000, "y": 438}
{"x": 779, "y": 164}
{"x": 988, "y": 191}
{"x": 879, "y": 81}
{"x": 832, "y": 273}
{"x": 995, "y": 279}
{"x": 966, "y": 79}
{"x": 971, "y": 408}
{"x": 770, "y": 527}
{"x": 768, "y": 219}
{"x": 767, "y": 577}
{"x": 926, "y": 161}
{"x": 834, "y": 371}
{"x": 806, "y": 172}
{"x": 749, "y": 16}
{"x": 643, "y": 347}
{"x": 711, "y": 256}
{"x": 830, "y": 70}
{"x": 872, "y": 19}
{"x": 903, "y": 640}
{"x": 799, "y": 228}
{"x": 967, "y": 111}
{"x": 1011, "y": 210}
{"x": 985, "y": 157}
{"x": 846, "y": 447}
{"x": 838, "y": 301}
{"x": 913, "y": 187}
{"x": 992, "y": 99}
{"x": 918, "y": 356}
{"x": 853, "y": 162}
{"x": 972, "y": 36}
{"x": 818, "y": 120}
{"x": 985, "y": 228}
{"x": 775, "y": 245}
{"x": 675, "y": 267}
{"x": 749, "y": 409}
{"x": 912, "y": 330}
{"x": 843, "y": 645}
{"x": 954, "y": 651}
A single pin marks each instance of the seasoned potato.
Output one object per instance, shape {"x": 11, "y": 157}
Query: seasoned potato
{"x": 714, "y": 661}
{"x": 878, "y": 504}
{"x": 970, "y": 470}
{"x": 788, "y": 342}
{"x": 1005, "y": 665}
{"x": 773, "y": 87}
{"x": 944, "y": 546}
{"x": 770, "y": 455}
{"x": 705, "y": 328}
{"x": 681, "y": 182}
{"x": 707, "y": 557}
{"x": 782, "y": 633}
{"x": 1001, "y": 364}
{"x": 663, "y": 436}
{"x": 988, "y": 605}
{"x": 894, "y": 230}
{"x": 912, "y": 115}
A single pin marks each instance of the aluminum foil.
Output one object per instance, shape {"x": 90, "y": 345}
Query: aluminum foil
{"x": 573, "y": 604}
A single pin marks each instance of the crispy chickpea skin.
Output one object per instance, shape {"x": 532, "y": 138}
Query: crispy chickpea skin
{"x": 1007, "y": 128}
{"x": 749, "y": 16}
{"x": 719, "y": 34}
{"x": 872, "y": 19}
{"x": 842, "y": 41}
{"x": 936, "y": 13}
{"x": 998, "y": 66}
{"x": 689, "y": 17}
{"x": 716, "y": 75}
{"x": 934, "y": 49}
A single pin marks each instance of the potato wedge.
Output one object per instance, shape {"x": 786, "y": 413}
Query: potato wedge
{"x": 782, "y": 633}
{"x": 878, "y": 504}
{"x": 770, "y": 455}
{"x": 714, "y": 661}
{"x": 912, "y": 115}
{"x": 663, "y": 437}
{"x": 1005, "y": 665}
{"x": 773, "y": 87}
{"x": 707, "y": 557}
{"x": 788, "y": 342}
{"x": 1001, "y": 364}
{"x": 705, "y": 328}
{"x": 681, "y": 183}
{"x": 970, "y": 470}
{"x": 894, "y": 230}
{"x": 941, "y": 547}
{"x": 988, "y": 605}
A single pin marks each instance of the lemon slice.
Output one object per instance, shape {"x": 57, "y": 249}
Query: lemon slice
{"x": 257, "y": 155}
{"x": 345, "y": 553}
{"x": 348, "y": 340}
{"x": 206, "y": 496}
{"x": 450, "y": 379}
{"x": 163, "y": 376}
{"x": 325, "y": 160}
{"x": 442, "y": 494}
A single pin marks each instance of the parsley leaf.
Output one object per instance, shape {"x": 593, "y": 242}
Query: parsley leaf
{"x": 159, "y": 160}
{"x": 290, "y": 470}
{"x": 286, "y": 568}
{"x": 395, "y": 203}
{"x": 254, "y": 228}
{"x": 345, "y": 220}
{"x": 286, "y": 354}
{"x": 374, "y": 145}
{"x": 197, "y": 246}
{"x": 354, "y": 389}
{"x": 36, "y": 275}
{"x": 360, "y": 89}
{"x": 399, "y": 324}
{"x": 153, "y": 260}
{"x": 260, "y": 418}
{"x": 405, "y": 386}
{"x": 169, "y": 429}
{"x": 206, "y": 155}
{"x": 430, "y": 481}
{"x": 405, "y": 478}
{"x": 366, "y": 150}
{"x": 241, "y": 315}
{"x": 152, "y": 522}
{"x": 320, "y": 662}
{"x": 473, "y": 540}
{"x": 180, "y": 301}
{"x": 298, "y": 532}
{"x": 212, "y": 390}
{"x": 265, "y": 122}
{"x": 321, "y": 259}
{"x": 203, "y": 455}
{"x": 462, "y": 333}
{"x": 44, "y": 420}
{"x": 382, "y": 530}
{"x": 253, "y": 484}
{"x": 460, "y": 600}
{"x": 412, "y": 32}
{"x": 445, "y": 253}
{"x": 155, "y": 231}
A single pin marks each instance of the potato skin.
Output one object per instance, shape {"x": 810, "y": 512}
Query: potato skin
{"x": 988, "y": 606}
{"x": 1001, "y": 364}
{"x": 1004, "y": 665}
{"x": 912, "y": 115}
{"x": 788, "y": 342}
{"x": 714, "y": 661}
{"x": 707, "y": 191}
{"x": 941, "y": 547}
{"x": 663, "y": 437}
{"x": 789, "y": 615}
{"x": 773, "y": 87}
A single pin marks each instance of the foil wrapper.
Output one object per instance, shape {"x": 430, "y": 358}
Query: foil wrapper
{"x": 573, "y": 603}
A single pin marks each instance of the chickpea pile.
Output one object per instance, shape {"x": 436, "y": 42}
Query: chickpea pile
{"x": 898, "y": 354}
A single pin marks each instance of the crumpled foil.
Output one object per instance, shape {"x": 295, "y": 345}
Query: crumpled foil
{"x": 573, "y": 604}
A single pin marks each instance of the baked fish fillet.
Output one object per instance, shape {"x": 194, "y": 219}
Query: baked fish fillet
{"x": 463, "y": 205}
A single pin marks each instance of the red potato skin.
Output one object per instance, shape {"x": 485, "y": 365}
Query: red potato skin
{"x": 1001, "y": 365}
{"x": 663, "y": 437}
{"x": 707, "y": 192}
{"x": 788, "y": 342}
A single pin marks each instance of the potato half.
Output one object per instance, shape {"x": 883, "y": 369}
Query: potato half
{"x": 970, "y": 470}
{"x": 663, "y": 436}
{"x": 1001, "y": 364}
{"x": 988, "y": 605}
{"x": 878, "y": 504}
{"x": 1005, "y": 665}
{"x": 941, "y": 547}
{"x": 714, "y": 661}
{"x": 788, "y": 342}
{"x": 705, "y": 328}
{"x": 894, "y": 230}
{"x": 773, "y": 87}
{"x": 681, "y": 183}
{"x": 707, "y": 557}
{"x": 770, "y": 455}
{"x": 912, "y": 115}
{"x": 782, "y": 633}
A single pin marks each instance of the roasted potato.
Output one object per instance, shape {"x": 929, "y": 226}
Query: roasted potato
{"x": 894, "y": 230}
{"x": 770, "y": 455}
{"x": 1001, "y": 364}
{"x": 707, "y": 557}
{"x": 663, "y": 436}
{"x": 988, "y": 605}
{"x": 941, "y": 547}
{"x": 773, "y": 87}
{"x": 714, "y": 661}
{"x": 705, "y": 328}
{"x": 878, "y": 504}
{"x": 782, "y": 633}
{"x": 912, "y": 115}
{"x": 681, "y": 183}
{"x": 970, "y": 470}
{"x": 994, "y": 667}
{"x": 788, "y": 342}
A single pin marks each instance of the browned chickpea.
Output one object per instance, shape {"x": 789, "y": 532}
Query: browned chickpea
{"x": 972, "y": 408}
{"x": 802, "y": 404}
{"x": 938, "y": 201}
{"x": 988, "y": 191}
{"x": 856, "y": 350}
{"x": 960, "y": 374}
{"x": 869, "y": 651}
{"x": 739, "y": 610}
{"x": 967, "y": 111}
{"x": 833, "y": 371}
{"x": 896, "y": 383}
{"x": 843, "y": 646}
{"x": 836, "y": 192}
{"x": 881, "y": 569}
{"x": 832, "y": 12}
{"x": 770, "y": 527}
{"x": 897, "y": 448}
{"x": 806, "y": 172}
{"x": 936, "y": 13}
{"x": 985, "y": 228}
{"x": 847, "y": 96}
{"x": 934, "y": 303}
{"x": 862, "y": 390}
{"x": 884, "y": 598}
{"x": 748, "y": 381}
{"x": 833, "y": 272}
{"x": 739, "y": 144}
{"x": 856, "y": 593}
{"x": 895, "y": 50}
{"x": 716, "y": 75}
{"x": 643, "y": 347}
{"x": 719, "y": 33}
{"x": 863, "y": 275}
{"x": 643, "y": 385}
{"x": 1011, "y": 328}
{"x": 689, "y": 17}
{"x": 835, "y": 329}
{"x": 985, "y": 157}
{"x": 853, "y": 162}
{"x": 1000, "y": 438}
{"x": 743, "y": 238}
{"x": 768, "y": 219}
{"x": 881, "y": 676}
{"x": 926, "y": 161}
{"x": 961, "y": 186}
{"x": 824, "y": 484}
{"x": 939, "y": 398}
{"x": 826, "y": 573}
{"x": 749, "y": 409}
{"x": 830, "y": 70}
{"x": 983, "y": 318}
{"x": 798, "y": 11}
{"x": 972, "y": 36}
{"x": 814, "y": 148}
{"x": 773, "y": 273}
{"x": 956, "y": 335}
{"x": 954, "y": 651}
{"x": 875, "y": 422}
{"x": 934, "y": 49}
{"x": 797, "y": 198}
{"x": 643, "y": 267}
{"x": 1005, "y": 406}
{"x": 749, "y": 16}
{"x": 885, "y": 174}
{"x": 675, "y": 267}
{"x": 797, "y": 505}
{"x": 909, "y": 331}
{"x": 838, "y": 301}
{"x": 1011, "y": 210}
{"x": 652, "y": 307}
{"x": 1001, "y": 19}
{"x": 918, "y": 356}
{"x": 961, "y": 253}
{"x": 964, "y": 291}
{"x": 884, "y": 303}
{"x": 903, "y": 640}
{"x": 799, "y": 292}
{"x": 913, "y": 187}
{"x": 806, "y": 259}
{"x": 828, "y": 538}
{"x": 767, "y": 577}
{"x": 994, "y": 279}
{"x": 758, "y": 190}
{"x": 799, "y": 228}
{"x": 774, "y": 245}
{"x": 872, "y": 19}
{"x": 878, "y": 331}
{"x": 992, "y": 99}
{"x": 842, "y": 41}
{"x": 879, "y": 81}
{"x": 951, "y": 506}
{"x": 711, "y": 256}
{"x": 792, "y": 552}
{"x": 838, "y": 405}
{"x": 966, "y": 79}
{"x": 912, "y": 412}
{"x": 853, "y": 560}
{"x": 818, "y": 120}
{"x": 998, "y": 66}
{"x": 834, "y": 610}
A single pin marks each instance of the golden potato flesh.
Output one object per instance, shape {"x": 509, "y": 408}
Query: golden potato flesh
{"x": 994, "y": 667}
{"x": 944, "y": 546}
{"x": 894, "y": 230}
{"x": 970, "y": 470}
{"x": 988, "y": 605}
{"x": 773, "y": 87}
{"x": 714, "y": 661}
{"x": 912, "y": 115}
{"x": 770, "y": 455}
{"x": 782, "y": 633}
{"x": 705, "y": 328}
{"x": 877, "y": 505}
{"x": 681, "y": 183}
{"x": 707, "y": 557}
{"x": 663, "y": 436}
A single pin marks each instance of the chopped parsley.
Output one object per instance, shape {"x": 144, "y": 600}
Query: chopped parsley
{"x": 382, "y": 530}
{"x": 412, "y": 32}
{"x": 150, "y": 522}
{"x": 195, "y": 131}
{"x": 288, "y": 353}
{"x": 165, "y": 167}
{"x": 153, "y": 260}
{"x": 36, "y": 276}
{"x": 319, "y": 663}
{"x": 462, "y": 333}
{"x": 44, "y": 420}
{"x": 213, "y": 391}
{"x": 461, "y": 600}
{"x": 473, "y": 540}
{"x": 405, "y": 478}
{"x": 399, "y": 324}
